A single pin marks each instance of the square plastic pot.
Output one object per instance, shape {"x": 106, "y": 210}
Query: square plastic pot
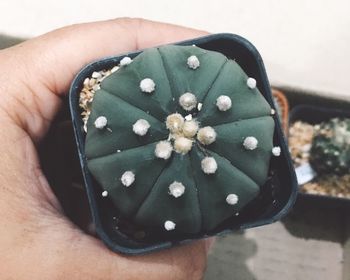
{"x": 276, "y": 197}
{"x": 314, "y": 115}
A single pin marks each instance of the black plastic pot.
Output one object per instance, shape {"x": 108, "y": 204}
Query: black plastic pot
{"x": 315, "y": 115}
{"x": 277, "y": 195}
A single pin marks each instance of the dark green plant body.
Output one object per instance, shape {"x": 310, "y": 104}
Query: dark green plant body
{"x": 330, "y": 151}
{"x": 211, "y": 195}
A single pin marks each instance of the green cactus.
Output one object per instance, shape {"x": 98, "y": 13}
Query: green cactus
{"x": 180, "y": 138}
{"x": 330, "y": 151}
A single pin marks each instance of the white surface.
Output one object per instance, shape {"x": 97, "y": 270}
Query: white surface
{"x": 304, "y": 43}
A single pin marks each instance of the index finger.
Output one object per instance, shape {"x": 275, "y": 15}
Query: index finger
{"x": 46, "y": 65}
{"x": 62, "y": 53}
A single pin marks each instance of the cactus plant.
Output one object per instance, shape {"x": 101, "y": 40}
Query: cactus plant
{"x": 330, "y": 151}
{"x": 180, "y": 138}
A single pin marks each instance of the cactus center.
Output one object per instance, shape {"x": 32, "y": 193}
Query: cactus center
{"x": 183, "y": 132}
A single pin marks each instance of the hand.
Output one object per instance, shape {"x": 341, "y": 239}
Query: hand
{"x": 36, "y": 240}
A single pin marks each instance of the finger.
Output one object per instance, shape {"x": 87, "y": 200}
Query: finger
{"x": 45, "y": 66}
{"x": 67, "y": 50}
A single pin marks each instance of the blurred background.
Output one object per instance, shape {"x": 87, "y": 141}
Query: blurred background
{"x": 304, "y": 43}
{"x": 305, "y": 47}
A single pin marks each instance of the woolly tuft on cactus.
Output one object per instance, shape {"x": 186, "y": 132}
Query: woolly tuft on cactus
{"x": 173, "y": 152}
{"x": 330, "y": 151}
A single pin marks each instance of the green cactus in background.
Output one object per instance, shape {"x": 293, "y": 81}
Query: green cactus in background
{"x": 330, "y": 151}
{"x": 180, "y": 138}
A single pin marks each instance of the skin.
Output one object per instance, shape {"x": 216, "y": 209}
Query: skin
{"x": 37, "y": 241}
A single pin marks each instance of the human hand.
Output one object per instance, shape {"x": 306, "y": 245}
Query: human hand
{"x": 37, "y": 241}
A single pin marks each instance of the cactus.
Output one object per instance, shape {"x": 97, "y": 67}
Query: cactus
{"x": 180, "y": 138}
{"x": 330, "y": 150}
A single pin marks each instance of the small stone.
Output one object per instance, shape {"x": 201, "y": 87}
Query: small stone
{"x": 125, "y": 61}
{"x": 188, "y": 101}
{"x": 96, "y": 75}
{"x": 223, "y": 102}
{"x": 86, "y": 82}
{"x": 306, "y": 148}
{"x": 251, "y": 83}
{"x": 92, "y": 82}
{"x": 127, "y": 178}
{"x": 250, "y": 143}
{"x": 104, "y": 193}
{"x": 163, "y": 149}
{"x": 199, "y": 106}
{"x": 182, "y": 145}
{"x": 118, "y": 151}
{"x": 276, "y": 151}
{"x": 190, "y": 128}
{"x": 114, "y": 69}
{"x": 176, "y": 189}
{"x": 206, "y": 135}
{"x": 174, "y": 122}
{"x": 193, "y": 62}
{"x": 140, "y": 127}
{"x": 96, "y": 87}
{"x": 209, "y": 165}
{"x": 232, "y": 199}
{"x": 147, "y": 85}
{"x": 169, "y": 225}
{"x": 101, "y": 122}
